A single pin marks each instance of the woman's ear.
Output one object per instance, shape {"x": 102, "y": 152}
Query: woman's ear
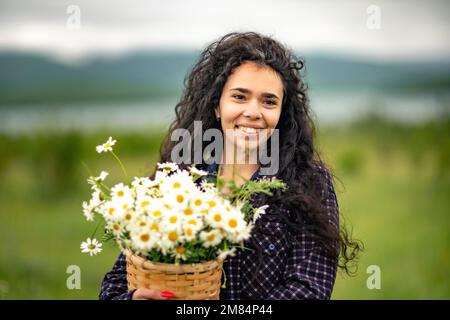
{"x": 216, "y": 110}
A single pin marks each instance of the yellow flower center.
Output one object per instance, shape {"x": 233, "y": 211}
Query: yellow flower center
{"x": 198, "y": 202}
{"x": 116, "y": 227}
{"x": 145, "y": 237}
{"x": 212, "y": 203}
{"x": 210, "y": 237}
{"x": 232, "y": 223}
{"x": 120, "y": 193}
{"x": 180, "y": 198}
{"x": 188, "y": 212}
{"x": 145, "y": 203}
{"x": 111, "y": 211}
{"x": 217, "y": 217}
{"x": 157, "y": 213}
{"x": 176, "y": 185}
{"x": 128, "y": 217}
{"x": 154, "y": 227}
{"x": 189, "y": 232}
{"x": 193, "y": 222}
{"x": 173, "y": 236}
{"x": 180, "y": 250}
{"x": 173, "y": 219}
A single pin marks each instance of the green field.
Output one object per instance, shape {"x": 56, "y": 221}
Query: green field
{"x": 393, "y": 190}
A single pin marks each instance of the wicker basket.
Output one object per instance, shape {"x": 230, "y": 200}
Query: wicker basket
{"x": 196, "y": 281}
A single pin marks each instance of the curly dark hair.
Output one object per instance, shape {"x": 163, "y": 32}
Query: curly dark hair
{"x": 300, "y": 167}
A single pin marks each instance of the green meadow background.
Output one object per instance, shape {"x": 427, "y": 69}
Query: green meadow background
{"x": 392, "y": 177}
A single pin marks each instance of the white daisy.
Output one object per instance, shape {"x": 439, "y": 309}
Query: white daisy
{"x": 179, "y": 182}
{"x": 144, "y": 183}
{"x": 115, "y": 227}
{"x": 208, "y": 187}
{"x": 102, "y": 176}
{"x": 198, "y": 172}
{"x": 222, "y": 254}
{"x": 211, "y": 238}
{"x": 189, "y": 232}
{"x": 169, "y": 239}
{"x": 212, "y": 203}
{"x": 154, "y": 226}
{"x": 143, "y": 203}
{"x": 234, "y": 222}
{"x": 113, "y": 210}
{"x": 128, "y": 217}
{"x": 121, "y": 191}
{"x": 96, "y": 199}
{"x": 94, "y": 184}
{"x": 160, "y": 177}
{"x": 259, "y": 212}
{"x": 137, "y": 181}
{"x": 90, "y": 207}
{"x": 172, "y": 220}
{"x": 179, "y": 252}
{"x": 88, "y": 211}
{"x": 194, "y": 222}
{"x": 241, "y": 234}
{"x": 143, "y": 239}
{"x": 91, "y": 246}
{"x": 168, "y": 166}
{"x": 141, "y": 222}
{"x": 177, "y": 200}
{"x": 107, "y": 146}
{"x": 216, "y": 217}
{"x": 198, "y": 203}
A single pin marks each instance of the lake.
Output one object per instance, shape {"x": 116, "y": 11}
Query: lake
{"x": 329, "y": 107}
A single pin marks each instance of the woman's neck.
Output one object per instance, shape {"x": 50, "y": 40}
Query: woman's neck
{"x": 239, "y": 173}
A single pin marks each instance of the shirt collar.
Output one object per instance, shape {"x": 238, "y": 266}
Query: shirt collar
{"x": 212, "y": 170}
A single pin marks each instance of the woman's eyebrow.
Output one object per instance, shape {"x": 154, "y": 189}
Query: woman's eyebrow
{"x": 264, "y": 94}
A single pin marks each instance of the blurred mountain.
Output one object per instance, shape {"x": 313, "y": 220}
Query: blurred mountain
{"x": 28, "y": 78}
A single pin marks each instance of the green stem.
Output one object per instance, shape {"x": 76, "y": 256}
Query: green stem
{"x": 120, "y": 162}
{"x": 96, "y": 228}
{"x": 87, "y": 168}
{"x": 224, "y": 285}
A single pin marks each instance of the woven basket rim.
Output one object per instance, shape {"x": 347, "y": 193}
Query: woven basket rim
{"x": 182, "y": 267}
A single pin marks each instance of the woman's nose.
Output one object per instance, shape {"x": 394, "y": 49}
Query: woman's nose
{"x": 252, "y": 110}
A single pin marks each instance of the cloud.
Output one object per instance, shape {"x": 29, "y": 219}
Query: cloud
{"x": 409, "y": 29}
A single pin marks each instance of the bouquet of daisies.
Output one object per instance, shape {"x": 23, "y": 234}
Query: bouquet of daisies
{"x": 177, "y": 217}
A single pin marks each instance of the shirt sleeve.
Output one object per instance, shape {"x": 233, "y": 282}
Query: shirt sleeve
{"x": 115, "y": 285}
{"x": 309, "y": 272}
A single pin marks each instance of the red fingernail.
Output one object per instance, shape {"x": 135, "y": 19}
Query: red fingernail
{"x": 167, "y": 294}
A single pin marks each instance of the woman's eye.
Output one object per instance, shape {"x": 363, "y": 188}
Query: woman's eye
{"x": 239, "y": 96}
{"x": 270, "y": 102}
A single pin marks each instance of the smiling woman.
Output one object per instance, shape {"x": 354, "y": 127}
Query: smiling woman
{"x": 249, "y": 87}
{"x": 249, "y": 110}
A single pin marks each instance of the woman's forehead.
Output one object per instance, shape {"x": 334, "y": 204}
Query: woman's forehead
{"x": 255, "y": 79}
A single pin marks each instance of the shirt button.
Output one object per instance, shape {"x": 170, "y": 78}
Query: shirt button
{"x": 271, "y": 246}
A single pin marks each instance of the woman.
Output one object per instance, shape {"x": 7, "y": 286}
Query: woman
{"x": 248, "y": 86}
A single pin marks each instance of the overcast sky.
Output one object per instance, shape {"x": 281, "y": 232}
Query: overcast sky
{"x": 408, "y": 29}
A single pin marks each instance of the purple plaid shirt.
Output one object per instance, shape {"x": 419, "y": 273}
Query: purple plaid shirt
{"x": 293, "y": 265}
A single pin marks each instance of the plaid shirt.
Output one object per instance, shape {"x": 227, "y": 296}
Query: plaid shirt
{"x": 293, "y": 265}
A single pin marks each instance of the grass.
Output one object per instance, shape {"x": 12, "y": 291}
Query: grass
{"x": 394, "y": 195}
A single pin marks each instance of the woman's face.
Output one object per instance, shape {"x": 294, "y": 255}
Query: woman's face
{"x": 250, "y": 105}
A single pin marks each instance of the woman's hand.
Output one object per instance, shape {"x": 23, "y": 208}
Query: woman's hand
{"x": 151, "y": 294}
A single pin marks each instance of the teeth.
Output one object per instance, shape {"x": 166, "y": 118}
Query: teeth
{"x": 249, "y": 130}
